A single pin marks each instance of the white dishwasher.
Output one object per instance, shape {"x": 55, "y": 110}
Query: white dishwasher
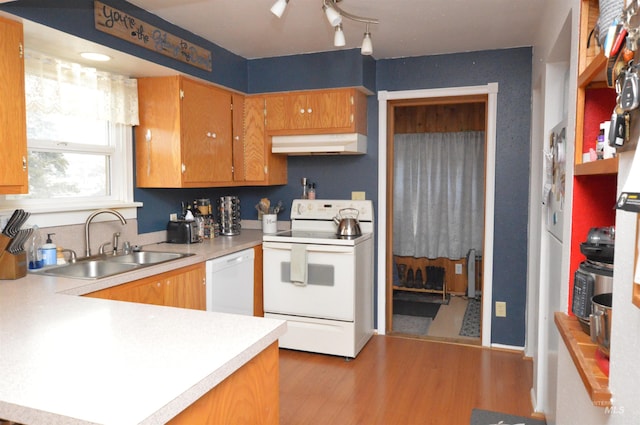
{"x": 230, "y": 283}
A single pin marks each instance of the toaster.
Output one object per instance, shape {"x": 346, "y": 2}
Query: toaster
{"x": 182, "y": 231}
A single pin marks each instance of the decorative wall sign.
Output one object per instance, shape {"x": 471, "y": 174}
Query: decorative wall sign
{"x": 124, "y": 26}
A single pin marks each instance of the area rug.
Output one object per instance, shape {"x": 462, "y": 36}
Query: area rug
{"x": 425, "y": 297}
{"x": 486, "y": 417}
{"x": 412, "y": 308}
{"x": 471, "y": 321}
{"x": 412, "y": 325}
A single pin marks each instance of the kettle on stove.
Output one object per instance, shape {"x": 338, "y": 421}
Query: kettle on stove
{"x": 347, "y": 226}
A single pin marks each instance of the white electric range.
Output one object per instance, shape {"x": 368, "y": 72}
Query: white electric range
{"x": 321, "y": 283}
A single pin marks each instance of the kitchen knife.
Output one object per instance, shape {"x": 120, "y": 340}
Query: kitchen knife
{"x": 7, "y": 228}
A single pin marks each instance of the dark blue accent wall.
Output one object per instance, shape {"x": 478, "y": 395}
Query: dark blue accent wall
{"x": 342, "y": 68}
{"x": 76, "y": 17}
{"x": 511, "y": 69}
{"x": 338, "y": 176}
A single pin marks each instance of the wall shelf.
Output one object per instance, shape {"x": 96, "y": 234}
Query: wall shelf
{"x": 583, "y": 354}
{"x": 602, "y": 166}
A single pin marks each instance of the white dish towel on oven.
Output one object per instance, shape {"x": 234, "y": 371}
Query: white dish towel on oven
{"x": 298, "y": 272}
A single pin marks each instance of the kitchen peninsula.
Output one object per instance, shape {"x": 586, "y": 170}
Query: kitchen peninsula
{"x": 65, "y": 358}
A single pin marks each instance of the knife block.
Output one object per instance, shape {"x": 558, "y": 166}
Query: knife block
{"x": 12, "y": 266}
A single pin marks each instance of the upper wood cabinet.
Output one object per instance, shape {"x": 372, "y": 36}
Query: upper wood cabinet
{"x": 261, "y": 166}
{"x": 185, "y": 134}
{"x": 184, "y": 288}
{"x": 14, "y": 178}
{"x": 316, "y": 112}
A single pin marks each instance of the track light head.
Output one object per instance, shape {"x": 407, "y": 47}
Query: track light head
{"x": 367, "y": 44}
{"x": 333, "y": 16}
{"x": 278, "y": 7}
{"x": 338, "y": 38}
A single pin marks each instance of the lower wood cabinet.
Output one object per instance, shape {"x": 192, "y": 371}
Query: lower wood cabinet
{"x": 184, "y": 288}
{"x": 249, "y": 396}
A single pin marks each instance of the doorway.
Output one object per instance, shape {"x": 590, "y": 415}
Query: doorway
{"x": 388, "y": 101}
{"x": 436, "y": 170}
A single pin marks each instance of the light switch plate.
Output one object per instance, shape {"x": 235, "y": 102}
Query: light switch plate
{"x": 358, "y": 196}
{"x": 458, "y": 268}
{"x": 501, "y": 309}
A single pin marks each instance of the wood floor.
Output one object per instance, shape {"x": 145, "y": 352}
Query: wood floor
{"x": 398, "y": 381}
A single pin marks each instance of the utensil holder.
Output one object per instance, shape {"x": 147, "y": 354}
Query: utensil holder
{"x": 12, "y": 266}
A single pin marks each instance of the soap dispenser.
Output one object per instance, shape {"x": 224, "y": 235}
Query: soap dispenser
{"x": 49, "y": 254}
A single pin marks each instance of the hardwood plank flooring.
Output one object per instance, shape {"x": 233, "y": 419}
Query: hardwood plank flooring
{"x": 400, "y": 381}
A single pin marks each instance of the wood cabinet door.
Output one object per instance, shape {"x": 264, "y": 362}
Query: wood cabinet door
{"x": 145, "y": 291}
{"x": 261, "y": 166}
{"x": 254, "y": 139}
{"x": 330, "y": 109}
{"x": 186, "y": 289}
{"x": 238, "y": 137}
{"x": 14, "y": 177}
{"x": 158, "y": 153}
{"x": 297, "y": 111}
{"x": 206, "y": 133}
{"x": 275, "y": 113}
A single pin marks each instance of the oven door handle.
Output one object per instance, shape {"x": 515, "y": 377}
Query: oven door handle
{"x": 330, "y": 249}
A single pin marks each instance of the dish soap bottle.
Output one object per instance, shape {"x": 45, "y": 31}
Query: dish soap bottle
{"x": 49, "y": 254}
{"x": 34, "y": 253}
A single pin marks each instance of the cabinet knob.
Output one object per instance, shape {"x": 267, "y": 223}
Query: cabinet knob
{"x": 24, "y": 163}
{"x": 309, "y": 110}
{"x": 237, "y": 137}
{"x": 302, "y": 111}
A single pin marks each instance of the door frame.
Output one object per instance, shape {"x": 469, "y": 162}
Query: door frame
{"x": 491, "y": 90}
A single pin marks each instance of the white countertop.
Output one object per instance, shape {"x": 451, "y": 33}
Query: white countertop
{"x": 70, "y": 359}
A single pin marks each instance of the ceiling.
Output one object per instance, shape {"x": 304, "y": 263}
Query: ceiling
{"x": 406, "y": 28}
{"x": 248, "y": 28}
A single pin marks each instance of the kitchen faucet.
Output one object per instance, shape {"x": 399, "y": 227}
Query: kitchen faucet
{"x": 88, "y": 222}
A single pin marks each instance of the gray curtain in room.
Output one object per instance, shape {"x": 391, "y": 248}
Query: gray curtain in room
{"x": 438, "y": 204}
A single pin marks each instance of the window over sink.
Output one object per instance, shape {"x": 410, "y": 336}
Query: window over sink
{"x": 79, "y": 137}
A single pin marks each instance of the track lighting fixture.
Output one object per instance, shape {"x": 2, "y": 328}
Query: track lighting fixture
{"x": 278, "y": 7}
{"x": 334, "y": 15}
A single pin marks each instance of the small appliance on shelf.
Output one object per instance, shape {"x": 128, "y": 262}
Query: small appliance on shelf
{"x": 594, "y": 275}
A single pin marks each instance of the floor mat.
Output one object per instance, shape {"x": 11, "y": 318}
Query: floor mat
{"x": 486, "y": 417}
{"x": 413, "y": 325}
{"x": 415, "y": 308}
{"x": 471, "y": 321}
{"x": 425, "y": 297}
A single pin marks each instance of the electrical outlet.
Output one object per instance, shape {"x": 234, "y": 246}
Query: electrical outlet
{"x": 458, "y": 268}
{"x": 173, "y": 217}
{"x": 358, "y": 196}
{"x": 501, "y": 309}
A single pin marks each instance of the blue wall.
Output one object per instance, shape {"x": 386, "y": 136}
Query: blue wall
{"x": 511, "y": 69}
{"x": 338, "y": 176}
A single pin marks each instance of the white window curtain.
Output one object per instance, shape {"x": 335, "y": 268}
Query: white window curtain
{"x": 438, "y": 199}
{"x": 57, "y": 93}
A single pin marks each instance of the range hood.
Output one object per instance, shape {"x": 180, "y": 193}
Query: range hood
{"x": 320, "y": 144}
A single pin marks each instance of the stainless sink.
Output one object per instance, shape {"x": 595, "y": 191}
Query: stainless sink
{"x": 91, "y": 269}
{"x": 145, "y": 257}
{"x": 106, "y": 265}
